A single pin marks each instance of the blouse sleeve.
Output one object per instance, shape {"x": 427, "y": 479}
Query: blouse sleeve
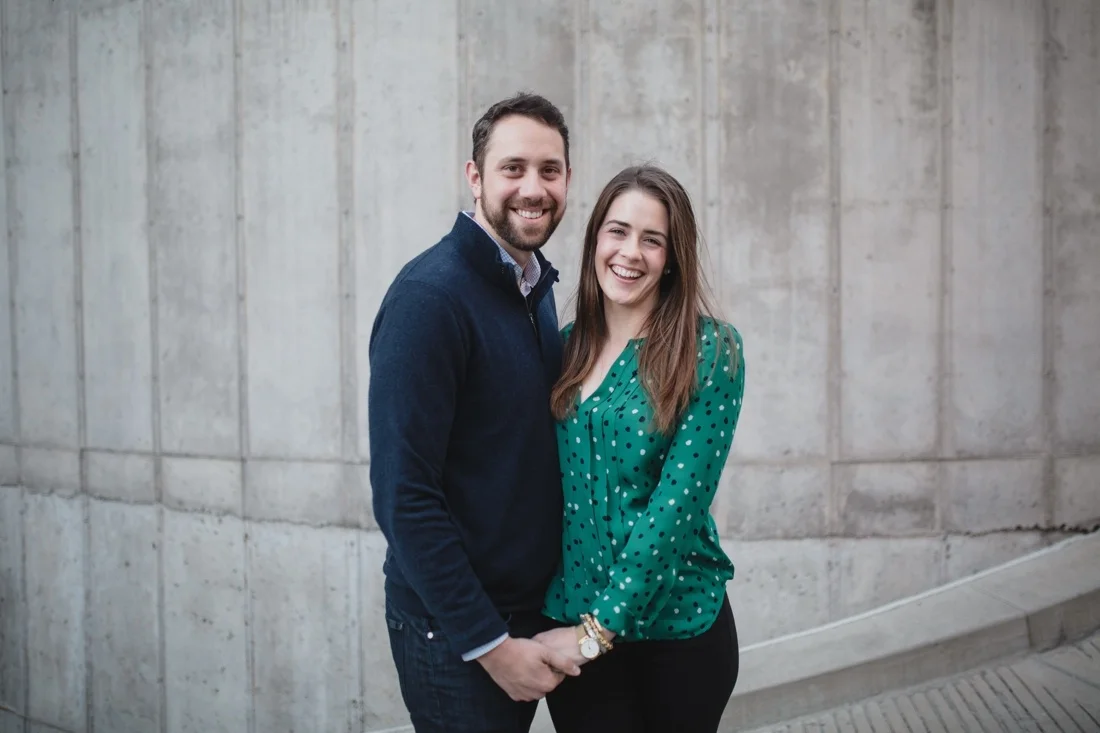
{"x": 646, "y": 570}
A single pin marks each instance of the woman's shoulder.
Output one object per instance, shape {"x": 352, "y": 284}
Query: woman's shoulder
{"x": 566, "y": 330}
{"x": 713, "y": 334}
{"x": 719, "y": 343}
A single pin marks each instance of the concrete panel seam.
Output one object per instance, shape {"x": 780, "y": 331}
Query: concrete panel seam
{"x": 349, "y": 361}
{"x": 9, "y": 204}
{"x": 582, "y": 92}
{"x": 242, "y": 281}
{"x": 78, "y": 263}
{"x": 359, "y": 601}
{"x": 249, "y": 622}
{"x": 162, "y": 661}
{"x": 26, "y": 602}
{"x": 154, "y": 321}
{"x": 285, "y": 458}
{"x": 29, "y": 720}
{"x": 82, "y": 406}
{"x": 242, "y": 357}
{"x": 946, "y": 438}
{"x": 834, "y": 385}
{"x": 939, "y": 508}
{"x": 462, "y": 95}
{"x": 89, "y": 630}
{"x": 369, "y": 527}
{"x": 345, "y": 193}
{"x": 154, "y": 347}
{"x": 261, "y": 457}
{"x": 710, "y": 134}
{"x": 1044, "y": 50}
{"x": 918, "y": 460}
{"x": 835, "y": 577}
{"x": 943, "y": 383}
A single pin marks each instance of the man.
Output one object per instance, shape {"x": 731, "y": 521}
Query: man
{"x": 464, "y": 470}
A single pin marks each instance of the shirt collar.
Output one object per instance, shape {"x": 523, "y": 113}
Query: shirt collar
{"x": 526, "y": 277}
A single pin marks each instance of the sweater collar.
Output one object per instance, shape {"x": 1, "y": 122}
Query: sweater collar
{"x": 483, "y": 253}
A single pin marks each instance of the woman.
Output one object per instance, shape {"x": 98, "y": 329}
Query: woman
{"x": 646, "y": 406}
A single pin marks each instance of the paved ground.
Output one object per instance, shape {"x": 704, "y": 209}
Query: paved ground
{"x": 1057, "y": 690}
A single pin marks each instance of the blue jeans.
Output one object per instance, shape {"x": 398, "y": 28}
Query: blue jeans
{"x": 444, "y": 694}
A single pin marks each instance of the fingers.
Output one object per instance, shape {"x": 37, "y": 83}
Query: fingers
{"x": 558, "y": 661}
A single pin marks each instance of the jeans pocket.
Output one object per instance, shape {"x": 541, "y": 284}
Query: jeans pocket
{"x": 395, "y": 620}
{"x": 395, "y": 625}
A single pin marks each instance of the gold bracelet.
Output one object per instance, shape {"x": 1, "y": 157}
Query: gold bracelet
{"x": 599, "y": 628}
{"x": 590, "y": 631}
{"x": 596, "y": 631}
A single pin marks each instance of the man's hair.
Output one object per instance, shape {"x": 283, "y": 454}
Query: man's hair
{"x": 524, "y": 104}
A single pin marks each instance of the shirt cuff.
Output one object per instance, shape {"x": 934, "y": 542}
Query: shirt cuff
{"x": 484, "y": 649}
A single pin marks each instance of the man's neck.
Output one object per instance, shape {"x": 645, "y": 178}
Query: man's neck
{"x": 520, "y": 256}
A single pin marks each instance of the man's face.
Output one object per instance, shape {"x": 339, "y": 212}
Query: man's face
{"x": 521, "y": 189}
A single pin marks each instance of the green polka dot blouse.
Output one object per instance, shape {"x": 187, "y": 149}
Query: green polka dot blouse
{"x": 640, "y": 550}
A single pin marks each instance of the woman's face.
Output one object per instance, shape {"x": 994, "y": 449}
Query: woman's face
{"x": 632, "y": 250}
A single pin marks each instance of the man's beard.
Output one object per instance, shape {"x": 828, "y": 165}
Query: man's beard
{"x": 501, "y": 222}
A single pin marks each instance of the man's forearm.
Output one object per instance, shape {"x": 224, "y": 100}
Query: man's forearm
{"x": 433, "y": 561}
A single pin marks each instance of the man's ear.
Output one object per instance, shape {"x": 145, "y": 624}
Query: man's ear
{"x": 473, "y": 179}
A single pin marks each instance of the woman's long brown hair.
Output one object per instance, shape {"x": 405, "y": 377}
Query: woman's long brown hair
{"x": 667, "y": 359}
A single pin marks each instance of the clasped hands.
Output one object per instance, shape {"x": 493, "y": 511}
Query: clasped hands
{"x": 529, "y": 669}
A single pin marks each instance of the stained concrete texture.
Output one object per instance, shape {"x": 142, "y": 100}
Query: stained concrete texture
{"x": 204, "y": 203}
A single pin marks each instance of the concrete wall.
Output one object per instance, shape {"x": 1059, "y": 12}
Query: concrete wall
{"x": 206, "y": 199}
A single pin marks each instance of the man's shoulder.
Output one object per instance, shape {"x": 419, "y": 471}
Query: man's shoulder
{"x": 439, "y": 267}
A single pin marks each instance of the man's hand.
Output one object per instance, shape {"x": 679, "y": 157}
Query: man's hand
{"x": 564, "y": 641}
{"x": 526, "y": 669}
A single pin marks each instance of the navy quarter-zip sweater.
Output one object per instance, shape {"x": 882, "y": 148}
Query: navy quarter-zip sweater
{"x": 464, "y": 469}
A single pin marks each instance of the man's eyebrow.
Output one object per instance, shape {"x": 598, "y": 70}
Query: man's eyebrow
{"x": 520, "y": 159}
{"x": 644, "y": 231}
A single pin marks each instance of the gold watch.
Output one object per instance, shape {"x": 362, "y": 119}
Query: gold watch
{"x": 589, "y": 646}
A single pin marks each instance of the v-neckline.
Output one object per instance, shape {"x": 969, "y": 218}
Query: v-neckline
{"x": 632, "y": 344}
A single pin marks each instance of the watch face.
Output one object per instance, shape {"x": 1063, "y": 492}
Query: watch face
{"x": 590, "y": 648}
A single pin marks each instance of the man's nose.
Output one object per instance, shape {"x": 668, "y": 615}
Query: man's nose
{"x": 531, "y": 186}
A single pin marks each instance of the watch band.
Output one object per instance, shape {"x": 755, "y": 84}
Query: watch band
{"x": 593, "y": 628}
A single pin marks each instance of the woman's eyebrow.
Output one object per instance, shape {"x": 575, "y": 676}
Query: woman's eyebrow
{"x": 644, "y": 231}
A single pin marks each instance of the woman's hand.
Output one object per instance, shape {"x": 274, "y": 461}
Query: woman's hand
{"x": 564, "y": 641}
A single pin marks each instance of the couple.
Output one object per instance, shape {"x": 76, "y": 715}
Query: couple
{"x": 545, "y": 494}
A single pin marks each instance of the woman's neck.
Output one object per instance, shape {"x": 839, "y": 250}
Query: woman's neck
{"x": 624, "y": 324}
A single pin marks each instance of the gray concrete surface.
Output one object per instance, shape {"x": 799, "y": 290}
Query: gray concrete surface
{"x": 204, "y": 202}
{"x": 1054, "y": 692}
{"x": 1026, "y": 605}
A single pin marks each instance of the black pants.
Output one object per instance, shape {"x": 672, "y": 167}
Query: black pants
{"x": 677, "y": 686}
